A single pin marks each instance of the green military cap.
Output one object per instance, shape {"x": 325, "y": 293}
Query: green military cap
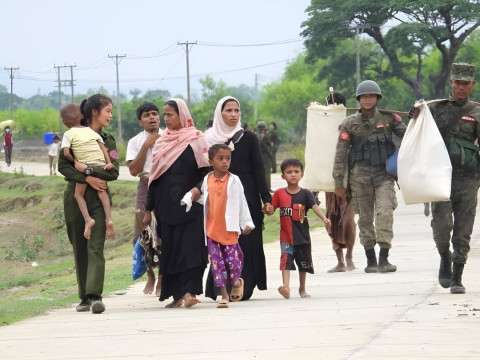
{"x": 462, "y": 71}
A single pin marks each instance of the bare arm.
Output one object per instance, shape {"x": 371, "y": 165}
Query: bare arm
{"x": 135, "y": 166}
{"x": 67, "y": 152}
{"x": 316, "y": 209}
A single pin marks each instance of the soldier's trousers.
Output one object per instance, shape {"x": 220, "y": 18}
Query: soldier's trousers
{"x": 88, "y": 254}
{"x": 458, "y": 215}
{"x": 374, "y": 203}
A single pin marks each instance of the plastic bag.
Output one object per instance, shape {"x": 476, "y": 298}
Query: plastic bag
{"x": 424, "y": 168}
{"x": 138, "y": 264}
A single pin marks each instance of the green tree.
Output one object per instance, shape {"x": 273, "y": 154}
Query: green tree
{"x": 418, "y": 26}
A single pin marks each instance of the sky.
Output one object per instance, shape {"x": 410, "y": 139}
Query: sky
{"x": 237, "y": 41}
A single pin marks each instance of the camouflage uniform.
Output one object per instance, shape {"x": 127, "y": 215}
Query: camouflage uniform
{"x": 372, "y": 188}
{"x": 465, "y": 182}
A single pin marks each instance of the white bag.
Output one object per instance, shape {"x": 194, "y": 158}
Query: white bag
{"x": 320, "y": 145}
{"x": 424, "y": 168}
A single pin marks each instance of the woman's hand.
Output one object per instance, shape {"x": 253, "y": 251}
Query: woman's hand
{"x": 96, "y": 183}
{"x": 147, "y": 218}
{"x": 247, "y": 230}
{"x": 268, "y": 209}
{"x": 195, "y": 194}
{"x": 79, "y": 166}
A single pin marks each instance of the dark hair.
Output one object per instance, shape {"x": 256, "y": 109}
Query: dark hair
{"x": 274, "y": 124}
{"x": 214, "y": 149}
{"x": 146, "y": 107}
{"x": 94, "y": 102}
{"x": 173, "y": 104}
{"x": 245, "y": 126}
{"x": 227, "y": 101}
{"x": 210, "y": 123}
{"x": 337, "y": 99}
{"x": 291, "y": 162}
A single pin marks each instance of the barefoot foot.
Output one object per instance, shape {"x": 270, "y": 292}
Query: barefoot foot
{"x": 338, "y": 268}
{"x": 190, "y": 301}
{"x": 175, "y": 304}
{"x": 110, "y": 229}
{"x": 284, "y": 291}
{"x": 150, "y": 282}
{"x": 303, "y": 293}
{"x": 88, "y": 228}
{"x": 350, "y": 265}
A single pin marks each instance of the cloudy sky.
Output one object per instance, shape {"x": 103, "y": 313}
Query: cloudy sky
{"x": 235, "y": 41}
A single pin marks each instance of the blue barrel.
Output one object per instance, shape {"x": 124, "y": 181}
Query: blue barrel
{"x": 48, "y": 138}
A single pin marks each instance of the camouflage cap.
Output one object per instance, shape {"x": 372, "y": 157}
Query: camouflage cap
{"x": 462, "y": 71}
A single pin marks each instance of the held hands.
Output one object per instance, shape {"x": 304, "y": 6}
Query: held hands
{"x": 327, "y": 223}
{"x": 195, "y": 194}
{"x": 268, "y": 209}
{"x": 247, "y": 230}
{"x": 341, "y": 192}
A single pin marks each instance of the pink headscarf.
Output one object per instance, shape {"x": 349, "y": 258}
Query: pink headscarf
{"x": 221, "y": 132}
{"x": 172, "y": 143}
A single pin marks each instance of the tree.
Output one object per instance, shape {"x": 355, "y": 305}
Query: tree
{"x": 417, "y": 27}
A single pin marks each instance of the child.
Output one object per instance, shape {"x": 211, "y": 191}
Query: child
{"x": 87, "y": 147}
{"x": 294, "y": 202}
{"x": 52, "y": 155}
{"x": 226, "y": 214}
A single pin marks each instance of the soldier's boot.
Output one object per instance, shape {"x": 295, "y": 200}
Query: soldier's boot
{"x": 383, "y": 264}
{"x": 445, "y": 271}
{"x": 371, "y": 261}
{"x": 456, "y": 286}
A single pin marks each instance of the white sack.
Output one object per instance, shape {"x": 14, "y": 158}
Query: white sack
{"x": 424, "y": 168}
{"x": 321, "y": 142}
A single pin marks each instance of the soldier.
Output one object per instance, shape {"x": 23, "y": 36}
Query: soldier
{"x": 366, "y": 140}
{"x": 457, "y": 119}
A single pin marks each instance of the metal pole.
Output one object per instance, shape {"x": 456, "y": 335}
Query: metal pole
{"x": 119, "y": 112}
{"x": 59, "y": 100}
{"x": 187, "y": 50}
{"x": 12, "y": 71}
{"x": 71, "y": 79}
{"x": 256, "y": 98}
{"x": 357, "y": 33}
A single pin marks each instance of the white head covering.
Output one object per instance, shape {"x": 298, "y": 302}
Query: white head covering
{"x": 221, "y": 132}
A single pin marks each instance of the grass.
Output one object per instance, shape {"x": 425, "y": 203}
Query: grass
{"x": 31, "y": 214}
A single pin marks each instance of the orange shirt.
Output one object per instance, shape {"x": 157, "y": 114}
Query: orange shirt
{"x": 217, "y": 205}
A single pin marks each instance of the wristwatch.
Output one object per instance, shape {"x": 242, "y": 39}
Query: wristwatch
{"x": 88, "y": 171}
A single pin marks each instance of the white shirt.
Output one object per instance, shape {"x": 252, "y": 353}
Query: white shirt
{"x": 133, "y": 148}
{"x": 53, "y": 148}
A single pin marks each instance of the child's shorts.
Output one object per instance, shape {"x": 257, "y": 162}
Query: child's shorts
{"x": 302, "y": 255}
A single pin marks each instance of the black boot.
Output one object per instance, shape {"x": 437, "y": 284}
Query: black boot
{"x": 456, "y": 286}
{"x": 445, "y": 272}
{"x": 383, "y": 264}
{"x": 371, "y": 261}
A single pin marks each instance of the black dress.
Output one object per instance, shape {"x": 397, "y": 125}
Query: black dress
{"x": 247, "y": 164}
{"x": 184, "y": 254}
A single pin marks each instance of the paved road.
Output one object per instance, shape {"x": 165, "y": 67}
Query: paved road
{"x": 352, "y": 315}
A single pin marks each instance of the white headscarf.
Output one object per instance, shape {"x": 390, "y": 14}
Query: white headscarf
{"x": 221, "y": 132}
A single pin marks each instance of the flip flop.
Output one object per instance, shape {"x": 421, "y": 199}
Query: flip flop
{"x": 222, "y": 304}
{"x": 237, "y": 292}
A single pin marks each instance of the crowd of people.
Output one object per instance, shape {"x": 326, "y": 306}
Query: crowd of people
{"x": 206, "y": 195}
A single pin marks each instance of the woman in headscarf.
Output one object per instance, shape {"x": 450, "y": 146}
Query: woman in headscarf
{"x": 247, "y": 164}
{"x": 179, "y": 163}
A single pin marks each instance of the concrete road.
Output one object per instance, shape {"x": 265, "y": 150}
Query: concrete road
{"x": 351, "y": 315}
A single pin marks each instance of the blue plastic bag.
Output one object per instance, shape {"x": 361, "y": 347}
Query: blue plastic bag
{"x": 138, "y": 264}
{"x": 392, "y": 163}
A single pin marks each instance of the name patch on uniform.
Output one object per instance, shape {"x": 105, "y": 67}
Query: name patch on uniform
{"x": 344, "y": 136}
{"x": 113, "y": 154}
{"x": 468, "y": 118}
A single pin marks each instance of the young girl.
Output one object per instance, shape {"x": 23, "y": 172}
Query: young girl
{"x": 226, "y": 214}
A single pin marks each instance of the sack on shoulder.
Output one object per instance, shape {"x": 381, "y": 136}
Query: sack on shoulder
{"x": 463, "y": 153}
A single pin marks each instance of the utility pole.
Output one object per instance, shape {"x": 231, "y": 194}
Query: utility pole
{"x": 256, "y": 99}
{"x": 12, "y": 71}
{"x": 187, "y": 51}
{"x": 61, "y": 83}
{"x": 117, "y": 60}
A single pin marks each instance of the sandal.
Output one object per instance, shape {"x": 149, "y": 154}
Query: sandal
{"x": 237, "y": 292}
{"x": 222, "y": 304}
